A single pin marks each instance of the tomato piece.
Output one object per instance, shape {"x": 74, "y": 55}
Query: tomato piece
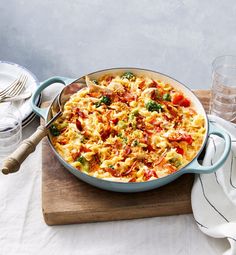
{"x": 148, "y": 164}
{"x": 142, "y": 85}
{"x": 84, "y": 149}
{"x": 154, "y": 84}
{"x": 113, "y": 172}
{"x": 105, "y": 134}
{"x": 115, "y": 121}
{"x": 177, "y": 98}
{"x": 154, "y": 174}
{"x": 187, "y": 138}
{"x": 181, "y": 137}
{"x": 149, "y": 173}
{"x": 185, "y": 102}
{"x": 79, "y": 125}
{"x": 180, "y": 150}
{"x": 149, "y": 148}
{"x": 80, "y": 113}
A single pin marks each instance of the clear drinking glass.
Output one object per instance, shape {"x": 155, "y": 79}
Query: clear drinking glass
{"x": 223, "y": 93}
{"x": 10, "y": 129}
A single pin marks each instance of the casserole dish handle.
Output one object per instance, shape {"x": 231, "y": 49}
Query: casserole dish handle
{"x": 195, "y": 167}
{"x": 57, "y": 79}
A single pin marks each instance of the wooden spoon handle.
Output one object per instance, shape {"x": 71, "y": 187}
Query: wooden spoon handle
{"x": 12, "y": 163}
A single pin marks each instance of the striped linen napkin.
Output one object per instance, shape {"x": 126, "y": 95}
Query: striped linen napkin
{"x": 214, "y": 195}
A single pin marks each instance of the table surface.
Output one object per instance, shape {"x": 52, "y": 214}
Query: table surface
{"x": 70, "y": 38}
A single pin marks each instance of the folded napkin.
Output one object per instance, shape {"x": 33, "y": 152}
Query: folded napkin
{"x": 214, "y": 195}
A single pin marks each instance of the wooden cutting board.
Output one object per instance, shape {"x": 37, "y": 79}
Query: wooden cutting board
{"x": 67, "y": 200}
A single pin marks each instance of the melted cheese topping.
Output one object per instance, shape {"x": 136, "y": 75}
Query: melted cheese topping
{"x": 133, "y": 129}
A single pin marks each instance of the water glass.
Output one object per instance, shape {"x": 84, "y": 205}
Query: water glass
{"x": 223, "y": 93}
{"x": 10, "y": 129}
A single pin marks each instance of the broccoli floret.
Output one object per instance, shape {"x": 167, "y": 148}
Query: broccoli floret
{"x": 153, "y": 106}
{"x": 95, "y": 81}
{"x": 84, "y": 163}
{"x": 135, "y": 143}
{"x": 104, "y": 100}
{"x": 167, "y": 97}
{"x": 81, "y": 159}
{"x": 122, "y": 124}
{"x": 175, "y": 162}
{"x": 134, "y": 112}
{"x": 122, "y": 137}
{"x": 54, "y": 130}
{"x": 128, "y": 75}
{"x": 98, "y": 104}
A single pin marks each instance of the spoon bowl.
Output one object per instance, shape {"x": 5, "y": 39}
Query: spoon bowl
{"x": 63, "y": 97}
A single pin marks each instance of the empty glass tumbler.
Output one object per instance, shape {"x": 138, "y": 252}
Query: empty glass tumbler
{"x": 223, "y": 93}
{"x": 10, "y": 129}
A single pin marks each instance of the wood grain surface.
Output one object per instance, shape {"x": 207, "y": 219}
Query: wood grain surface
{"x": 67, "y": 200}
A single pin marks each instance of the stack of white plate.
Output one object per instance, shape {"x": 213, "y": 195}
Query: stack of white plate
{"x": 10, "y": 72}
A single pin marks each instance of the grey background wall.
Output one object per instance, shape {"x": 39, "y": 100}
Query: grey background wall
{"x": 70, "y": 38}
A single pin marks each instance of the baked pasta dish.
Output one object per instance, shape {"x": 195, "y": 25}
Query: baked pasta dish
{"x": 128, "y": 128}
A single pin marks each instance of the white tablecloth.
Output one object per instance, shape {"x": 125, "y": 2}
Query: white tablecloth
{"x": 24, "y": 232}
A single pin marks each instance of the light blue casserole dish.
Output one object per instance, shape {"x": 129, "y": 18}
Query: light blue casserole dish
{"x": 192, "y": 167}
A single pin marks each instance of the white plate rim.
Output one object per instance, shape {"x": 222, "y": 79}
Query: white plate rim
{"x": 35, "y": 79}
